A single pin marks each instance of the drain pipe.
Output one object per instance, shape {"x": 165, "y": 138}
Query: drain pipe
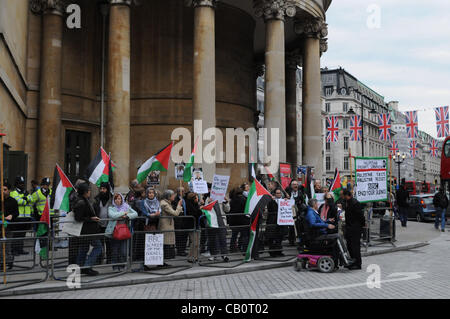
{"x": 104, "y": 8}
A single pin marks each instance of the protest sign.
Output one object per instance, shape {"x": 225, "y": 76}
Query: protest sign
{"x": 285, "y": 175}
{"x": 219, "y": 187}
{"x": 285, "y": 216}
{"x": 154, "y": 252}
{"x": 200, "y": 186}
{"x": 371, "y": 178}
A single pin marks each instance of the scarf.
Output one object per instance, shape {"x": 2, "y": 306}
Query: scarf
{"x": 122, "y": 208}
{"x": 152, "y": 205}
{"x": 324, "y": 212}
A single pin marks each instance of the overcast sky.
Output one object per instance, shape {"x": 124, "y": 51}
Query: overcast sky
{"x": 406, "y": 59}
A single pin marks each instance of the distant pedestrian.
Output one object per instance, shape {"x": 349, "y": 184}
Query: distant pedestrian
{"x": 440, "y": 202}
{"x": 354, "y": 223}
{"x": 402, "y": 202}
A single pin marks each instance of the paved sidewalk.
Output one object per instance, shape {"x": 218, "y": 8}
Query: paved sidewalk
{"x": 416, "y": 235}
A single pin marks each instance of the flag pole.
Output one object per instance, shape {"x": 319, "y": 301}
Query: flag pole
{"x": 390, "y": 181}
{"x": 3, "y": 208}
{"x": 351, "y": 167}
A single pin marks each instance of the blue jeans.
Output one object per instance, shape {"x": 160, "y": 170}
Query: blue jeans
{"x": 119, "y": 251}
{"x": 403, "y": 213}
{"x": 84, "y": 248}
{"x": 440, "y": 213}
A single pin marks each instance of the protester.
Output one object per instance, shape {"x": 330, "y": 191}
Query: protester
{"x": 318, "y": 186}
{"x": 193, "y": 209}
{"x": 180, "y": 224}
{"x": 245, "y": 188}
{"x": 440, "y": 202}
{"x": 84, "y": 212}
{"x": 166, "y": 223}
{"x": 134, "y": 187}
{"x": 274, "y": 232}
{"x": 217, "y": 242}
{"x": 328, "y": 211}
{"x": 121, "y": 212}
{"x": 102, "y": 202}
{"x": 74, "y": 242}
{"x": 296, "y": 195}
{"x": 150, "y": 208}
{"x": 238, "y": 222}
{"x": 11, "y": 214}
{"x": 354, "y": 223}
{"x": 402, "y": 202}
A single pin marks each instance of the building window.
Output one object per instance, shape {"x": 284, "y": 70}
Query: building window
{"x": 345, "y": 107}
{"x": 346, "y": 143}
{"x": 327, "y": 145}
{"x": 327, "y": 107}
{"x": 328, "y": 163}
{"x": 345, "y": 124}
{"x": 328, "y": 90}
{"x": 346, "y": 163}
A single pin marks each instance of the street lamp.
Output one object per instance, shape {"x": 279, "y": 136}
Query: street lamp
{"x": 351, "y": 112}
{"x": 398, "y": 159}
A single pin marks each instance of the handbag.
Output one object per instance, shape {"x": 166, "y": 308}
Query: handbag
{"x": 121, "y": 232}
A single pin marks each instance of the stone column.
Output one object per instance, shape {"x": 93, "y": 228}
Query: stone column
{"x": 204, "y": 83}
{"x": 312, "y": 145}
{"x": 118, "y": 90}
{"x": 293, "y": 59}
{"x": 49, "y": 150}
{"x": 274, "y": 13}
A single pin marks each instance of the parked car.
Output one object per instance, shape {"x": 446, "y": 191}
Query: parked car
{"x": 421, "y": 208}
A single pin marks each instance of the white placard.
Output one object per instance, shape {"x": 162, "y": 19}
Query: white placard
{"x": 320, "y": 198}
{"x": 371, "y": 178}
{"x": 219, "y": 187}
{"x": 71, "y": 226}
{"x": 154, "y": 249}
{"x": 200, "y": 187}
{"x": 285, "y": 217}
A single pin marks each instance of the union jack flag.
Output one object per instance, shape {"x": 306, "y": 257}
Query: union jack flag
{"x": 394, "y": 147}
{"x": 332, "y": 129}
{"x": 413, "y": 149}
{"x": 442, "y": 121}
{"x": 412, "y": 124}
{"x": 355, "y": 128}
{"x": 384, "y": 121}
{"x": 434, "y": 148}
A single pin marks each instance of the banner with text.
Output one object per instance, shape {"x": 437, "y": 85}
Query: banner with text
{"x": 154, "y": 249}
{"x": 219, "y": 187}
{"x": 285, "y": 217}
{"x": 371, "y": 179}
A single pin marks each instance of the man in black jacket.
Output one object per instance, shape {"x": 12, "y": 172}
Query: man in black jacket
{"x": 440, "y": 202}
{"x": 402, "y": 196}
{"x": 354, "y": 223}
{"x": 11, "y": 214}
{"x": 297, "y": 194}
{"x": 84, "y": 212}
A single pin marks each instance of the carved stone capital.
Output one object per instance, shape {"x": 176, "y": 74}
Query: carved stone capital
{"x": 121, "y": 2}
{"x": 201, "y": 3}
{"x": 48, "y": 6}
{"x": 294, "y": 59}
{"x": 323, "y": 45}
{"x": 275, "y": 9}
{"x": 311, "y": 28}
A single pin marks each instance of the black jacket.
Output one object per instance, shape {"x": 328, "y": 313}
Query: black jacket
{"x": 402, "y": 196}
{"x": 354, "y": 216}
{"x": 84, "y": 211}
{"x": 272, "y": 212}
{"x": 11, "y": 208}
{"x": 332, "y": 213}
{"x": 440, "y": 200}
{"x": 237, "y": 206}
{"x": 300, "y": 202}
{"x": 192, "y": 209}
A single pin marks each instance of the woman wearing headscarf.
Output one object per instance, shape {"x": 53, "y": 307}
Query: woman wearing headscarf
{"x": 166, "y": 222}
{"x": 328, "y": 211}
{"x": 121, "y": 212}
{"x": 151, "y": 208}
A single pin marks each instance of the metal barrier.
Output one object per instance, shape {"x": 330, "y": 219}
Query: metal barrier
{"x": 20, "y": 246}
{"x": 380, "y": 227}
{"x": 99, "y": 252}
{"x": 175, "y": 245}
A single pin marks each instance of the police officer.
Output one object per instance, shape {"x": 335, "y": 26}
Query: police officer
{"x": 22, "y": 198}
{"x": 39, "y": 197}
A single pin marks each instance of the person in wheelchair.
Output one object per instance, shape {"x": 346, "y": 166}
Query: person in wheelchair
{"x": 320, "y": 236}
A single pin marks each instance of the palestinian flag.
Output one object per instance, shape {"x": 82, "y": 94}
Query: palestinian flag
{"x": 63, "y": 187}
{"x": 158, "y": 162}
{"x": 251, "y": 172}
{"x": 42, "y": 244}
{"x": 210, "y": 214}
{"x": 98, "y": 170}
{"x": 336, "y": 186}
{"x": 258, "y": 198}
{"x": 187, "y": 175}
{"x": 271, "y": 177}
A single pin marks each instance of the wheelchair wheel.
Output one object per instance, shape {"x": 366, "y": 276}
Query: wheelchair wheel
{"x": 325, "y": 264}
{"x": 297, "y": 265}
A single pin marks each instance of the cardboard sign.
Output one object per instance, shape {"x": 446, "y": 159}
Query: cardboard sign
{"x": 154, "y": 249}
{"x": 285, "y": 216}
{"x": 371, "y": 178}
{"x": 285, "y": 175}
{"x": 200, "y": 187}
{"x": 219, "y": 187}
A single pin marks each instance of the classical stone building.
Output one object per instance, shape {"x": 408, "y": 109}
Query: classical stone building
{"x": 135, "y": 70}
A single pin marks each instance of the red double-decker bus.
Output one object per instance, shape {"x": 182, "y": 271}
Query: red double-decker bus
{"x": 445, "y": 163}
